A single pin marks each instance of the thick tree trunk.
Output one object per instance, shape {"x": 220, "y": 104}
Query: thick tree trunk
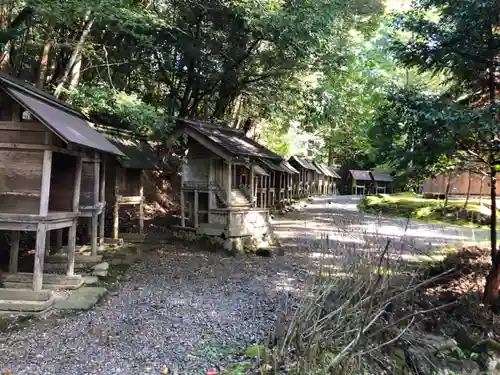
{"x": 43, "y": 67}
{"x": 75, "y": 55}
{"x": 493, "y": 279}
{"x": 468, "y": 191}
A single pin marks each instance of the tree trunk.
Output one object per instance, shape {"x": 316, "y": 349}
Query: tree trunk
{"x": 493, "y": 279}
{"x": 448, "y": 185}
{"x": 42, "y": 69}
{"x": 75, "y": 54}
{"x": 468, "y": 191}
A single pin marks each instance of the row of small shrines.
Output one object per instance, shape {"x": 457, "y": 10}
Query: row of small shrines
{"x": 57, "y": 170}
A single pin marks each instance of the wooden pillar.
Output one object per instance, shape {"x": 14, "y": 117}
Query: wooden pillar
{"x": 141, "y": 206}
{"x": 47, "y": 244}
{"x": 229, "y": 182}
{"x": 72, "y": 230}
{"x": 102, "y": 217}
{"x": 59, "y": 239}
{"x": 14, "y": 251}
{"x": 251, "y": 184}
{"x": 183, "y": 203}
{"x": 116, "y": 207}
{"x": 183, "y": 210}
{"x": 95, "y": 204}
{"x": 196, "y": 208}
{"x": 41, "y": 231}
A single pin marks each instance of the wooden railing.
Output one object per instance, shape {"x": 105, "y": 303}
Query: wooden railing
{"x": 220, "y": 192}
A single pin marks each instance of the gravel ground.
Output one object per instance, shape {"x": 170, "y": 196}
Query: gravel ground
{"x": 193, "y": 310}
{"x": 182, "y": 309}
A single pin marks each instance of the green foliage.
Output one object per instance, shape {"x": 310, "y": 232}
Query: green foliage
{"x": 122, "y": 109}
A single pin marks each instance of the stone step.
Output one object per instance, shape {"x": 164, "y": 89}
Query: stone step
{"x": 23, "y": 280}
{"x": 25, "y": 301}
{"x": 83, "y": 299}
{"x": 80, "y": 259}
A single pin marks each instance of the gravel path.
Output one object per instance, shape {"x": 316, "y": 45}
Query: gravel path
{"x": 193, "y": 310}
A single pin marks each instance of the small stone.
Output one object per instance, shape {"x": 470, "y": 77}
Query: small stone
{"x": 104, "y": 266}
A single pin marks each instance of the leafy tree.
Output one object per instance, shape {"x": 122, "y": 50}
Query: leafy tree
{"x": 462, "y": 39}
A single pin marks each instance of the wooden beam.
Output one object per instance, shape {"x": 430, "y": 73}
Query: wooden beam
{"x": 45, "y": 188}
{"x": 22, "y": 126}
{"x": 39, "y": 257}
{"x": 14, "y": 251}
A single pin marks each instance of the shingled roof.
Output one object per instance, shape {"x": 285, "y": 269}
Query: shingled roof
{"x": 274, "y": 166}
{"x": 232, "y": 141}
{"x": 138, "y": 153}
{"x": 69, "y": 124}
{"x": 381, "y": 177}
{"x": 333, "y": 172}
{"x": 360, "y": 175}
{"x": 290, "y": 169}
{"x": 304, "y": 163}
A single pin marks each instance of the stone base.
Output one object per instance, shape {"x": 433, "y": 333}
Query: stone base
{"x": 24, "y": 301}
{"x": 133, "y": 237}
{"x": 83, "y": 299}
{"x": 112, "y": 241}
{"x": 23, "y": 280}
{"x": 79, "y": 259}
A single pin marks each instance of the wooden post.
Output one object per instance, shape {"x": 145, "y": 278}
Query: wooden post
{"x": 41, "y": 233}
{"x": 45, "y": 188}
{"x": 72, "y": 230}
{"x": 116, "y": 207}
{"x": 196, "y": 208}
{"x": 183, "y": 210}
{"x": 229, "y": 182}
{"x": 47, "y": 244}
{"x": 141, "y": 207}
{"x": 116, "y": 218}
{"x": 14, "y": 251}
{"x": 251, "y": 184}
{"x": 95, "y": 204}
{"x": 59, "y": 239}
{"x": 102, "y": 217}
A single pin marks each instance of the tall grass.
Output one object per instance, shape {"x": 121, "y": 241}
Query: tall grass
{"x": 349, "y": 319}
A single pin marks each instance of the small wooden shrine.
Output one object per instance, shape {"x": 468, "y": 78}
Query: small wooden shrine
{"x": 123, "y": 184}
{"x": 44, "y": 143}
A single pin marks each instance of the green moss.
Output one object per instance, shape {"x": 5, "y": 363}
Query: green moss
{"x": 429, "y": 210}
{"x": 256, "y": 351}
{"x": 239, "y": 369}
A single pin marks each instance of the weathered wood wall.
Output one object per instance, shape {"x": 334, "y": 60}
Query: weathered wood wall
{"x": 62, "y": 182}
{"x": 20, "y": 181}
{"x": 87, "y": 185}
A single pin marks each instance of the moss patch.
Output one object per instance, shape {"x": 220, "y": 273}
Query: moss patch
{"x": 429, "y": 210}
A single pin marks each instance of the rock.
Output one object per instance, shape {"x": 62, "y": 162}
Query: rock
{"x": 100, "y": 273}
{"x": 100, "y": 269}
{"x": 104, "y": 266}
{"x": 82, "y": 299}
